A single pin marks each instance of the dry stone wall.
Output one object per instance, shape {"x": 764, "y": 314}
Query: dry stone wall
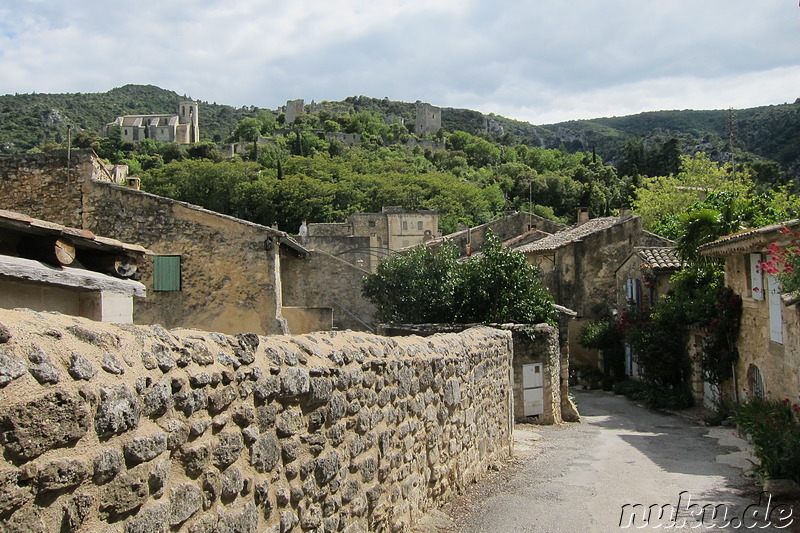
{"x": 120, "y": 428}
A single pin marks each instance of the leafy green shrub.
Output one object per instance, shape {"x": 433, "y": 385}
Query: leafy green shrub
{"x": 429, "y": 285}
{"x": 773, "y": 428}
{"x": 599, "y": 335}
{"x": 606, "y": 335}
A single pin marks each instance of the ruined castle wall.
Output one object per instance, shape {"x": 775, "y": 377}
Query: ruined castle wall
{"x": 110, "y": 428}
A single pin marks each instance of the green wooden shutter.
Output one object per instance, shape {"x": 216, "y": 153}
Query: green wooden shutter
{"x": 167, "y": 273}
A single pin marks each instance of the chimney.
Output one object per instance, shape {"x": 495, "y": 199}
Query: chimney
{"x": 625, "y": 213}
{"x": 583, "y": 215}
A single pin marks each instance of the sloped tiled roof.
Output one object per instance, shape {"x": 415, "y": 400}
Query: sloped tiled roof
{"x": 568, "y": 236}
{"x": 752, "y": 239}
{"x": 660, "y": 258}
{"x": 525, "y": 238}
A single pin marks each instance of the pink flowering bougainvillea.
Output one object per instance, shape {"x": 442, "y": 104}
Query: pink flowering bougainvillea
{"x": 784, "y": 261}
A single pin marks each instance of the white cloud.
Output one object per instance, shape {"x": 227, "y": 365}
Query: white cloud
{"x": 542, "y": 61}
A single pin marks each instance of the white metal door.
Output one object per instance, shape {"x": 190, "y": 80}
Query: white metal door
{"x": 532, "y": 389}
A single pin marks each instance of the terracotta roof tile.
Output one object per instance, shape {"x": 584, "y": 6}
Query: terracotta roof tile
{"x": 739, "y": 241}
{"x": 660, "y": 258}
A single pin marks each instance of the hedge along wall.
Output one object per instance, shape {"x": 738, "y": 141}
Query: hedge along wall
{"x": 111, "y": 428}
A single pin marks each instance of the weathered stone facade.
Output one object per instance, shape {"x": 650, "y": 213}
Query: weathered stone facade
{"x": 44, "y": 186}
{"x": 365, "y": 238}
{"x": 325, "y": 281}
{"x": 769, "y": 336}
{"x": 230, "y": 274}
{"x": 512, "y": 227}
{"x": 228, "y": 277}
{"x": 139, "y": 429}
{"x": 579, "y": 267}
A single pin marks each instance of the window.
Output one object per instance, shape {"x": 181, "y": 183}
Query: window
{"x": 371, "y": 223}
{"x": 167, "y": 273}
{"x": 419, "y": 225}
{"x": 755, "y": 382}
{"x": 633, "y": 290}
{"x": 405, "y": 224}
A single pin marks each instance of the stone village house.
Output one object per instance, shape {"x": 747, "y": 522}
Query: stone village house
{"x": 641, "y": 280}
{"x": 579, "y": 266}
{"x": 366, "y": 238}
{"x": 209, "y": 271}
{"x": 769, "y": 338}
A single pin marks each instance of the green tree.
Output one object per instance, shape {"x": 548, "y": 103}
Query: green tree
{"x": 458, "y": 140}
{"x": 429, "y": 285}
{"x": 416, "y": 287}
{"x": 500, "y": 286}
{"x": 672, "y": 195}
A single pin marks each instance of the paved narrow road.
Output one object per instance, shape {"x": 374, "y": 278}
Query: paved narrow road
{"x": 578, "y": 477}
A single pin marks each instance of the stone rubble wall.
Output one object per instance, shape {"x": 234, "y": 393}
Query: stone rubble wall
{"x": 41, "y": 186}
{"x": 121, "y": 428}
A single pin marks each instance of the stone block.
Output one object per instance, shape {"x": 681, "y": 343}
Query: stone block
{"x": 265, "y": 453}
{"x": 118, "y": 411}
{"x": 76, "y": 511}
{"x": 151, "y": 519}
{"x": 12, "y": 496}
{"x": 185, "y": 501}
{"x": 294, "y": 382}
{"x": 157, "y": 400}
{"x": 50, "y": 421}
{"x": 227, "y": 449}
{"x": 243, "y": 520}
{"x": 107, "y": 465}
{"x": 143, "y": 449}
{"x": 10, "y": 369}
{"x": 80, "y": 368}
{"x": 124, "y": 494}
{"x": 195, "y": 458}
{"x": 61, "y": 474}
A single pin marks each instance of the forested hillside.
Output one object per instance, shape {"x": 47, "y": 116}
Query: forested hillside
{"x": 763, "y": 134}
{"x": 488, "y": 164}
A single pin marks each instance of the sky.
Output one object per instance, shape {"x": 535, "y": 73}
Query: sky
{"x": 540, "y": 61}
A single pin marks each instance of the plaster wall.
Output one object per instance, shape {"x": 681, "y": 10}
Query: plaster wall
{"x": 302, "y": 320}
